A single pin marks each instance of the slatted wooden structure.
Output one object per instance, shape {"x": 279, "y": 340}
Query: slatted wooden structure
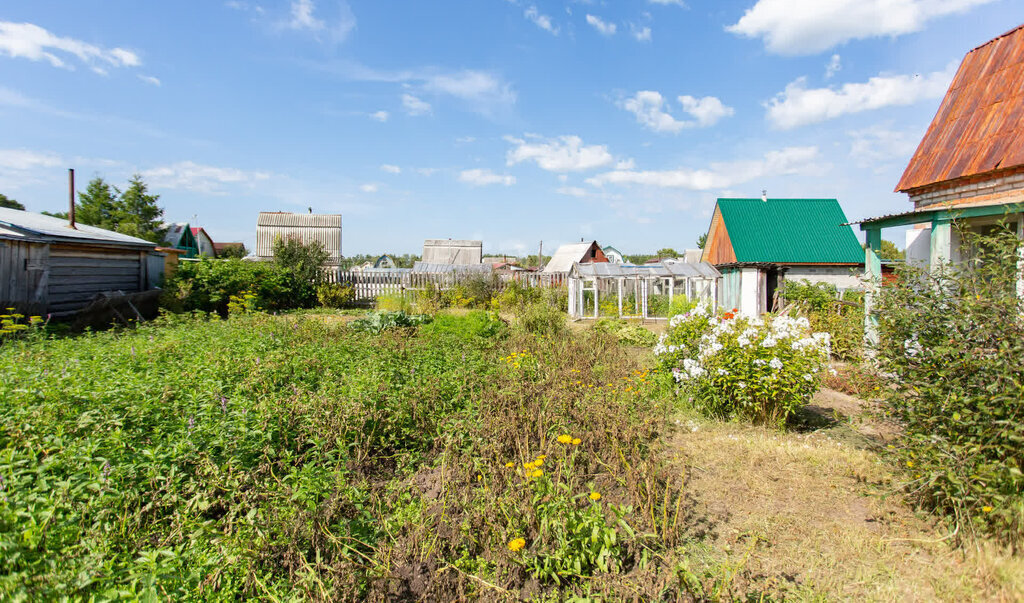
{"x": 46, "y": 267}
{"x": 369, "y": 284}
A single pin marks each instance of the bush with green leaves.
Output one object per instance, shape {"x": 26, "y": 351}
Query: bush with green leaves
{"x": 304, "y": 263}
{"x": 842, "y": 317}
{"x": 383, "y": 320}
{"x": 954, "y": 341}
{"x": 207, "y": 285}
{"x": 335, "y": 295}
{"x": 761, "y": 370}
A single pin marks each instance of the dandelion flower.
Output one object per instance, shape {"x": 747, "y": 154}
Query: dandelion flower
{"x": 539, "y": 462}
{"x": 595, "y": 496}
{"x": 910, "y": 464}
{"x": 565, "y": 439}
{"x": 542, "y": 456}
{"x": 529, "y": 465}
{"x": 516, "y": 545}
{"x": 576, "y": 441}
{"x": 479, "y": 477}
{"x": 509, "y": 465}
{"x": 537, "y": 473}
{"x": 986, "y": 509}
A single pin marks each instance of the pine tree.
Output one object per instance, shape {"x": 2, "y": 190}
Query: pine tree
{"x": 7, "y": 202}
{"x": 98, "y": 205}
{"x": 138, "y": 214}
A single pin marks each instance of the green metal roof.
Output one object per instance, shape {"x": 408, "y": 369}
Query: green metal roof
{"x": 790, "y": 231}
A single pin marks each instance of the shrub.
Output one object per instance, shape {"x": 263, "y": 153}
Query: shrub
{"x": 334, "y": 295}
{"x": 208, "y": 285}
{"x": 827, "y": 312}
{"x": 516, "y": 297}
{"x": 541, "y": 319}
{"x": 304, "y": 263}
{"x": 752, "y": 369}
{"x": 954, "y": 341}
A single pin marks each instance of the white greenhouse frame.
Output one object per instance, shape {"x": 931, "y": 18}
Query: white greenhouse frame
{"x": 695, "y": 281}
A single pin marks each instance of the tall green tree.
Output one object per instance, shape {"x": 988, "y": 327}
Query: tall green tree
{"x": 9, "y": 203}
{"x": 98, "y": 205}
{"x": 667, "y": 252}
{"x": 702, "y": 240}
{"x": 890, "y": 252}
{"x": 138, "y": 214}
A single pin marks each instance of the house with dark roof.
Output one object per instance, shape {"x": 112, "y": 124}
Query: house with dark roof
{"x": 969, "y": 167}
{"x": 757, "y": 244}
{"x": 179, "y": 236}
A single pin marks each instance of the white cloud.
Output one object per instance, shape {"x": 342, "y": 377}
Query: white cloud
{"x": 649, "y": 107}
{"x": 542, "y": 21}
{"x": 28, "y": 41}
{"x": 798, "y": 106}
{"x": 381, "y": 116}
{"x": 426, "y": 171}
{"x": 572, "y": 191}
{"x": 302, "y": 18}
{"x": 23, "y": 159}
{"x": 482, "y": 89}
{"x": 790, "y": 160}
{"x": 605, "y": 28}
{"x": 414, "y": 105}
{"x": 478, "y": 177}
{"x": 667, "y": 2}
{"x": 391, "y": 169}
{"x": 149, "y": 79}
{"x": 811, "y": 26}
{"x": 188, "y": 175}
{"x": 833, "y": 67}
{"x": 880, "y": 144}
{"x": 641, "y": 33}
{"x": 562, "y": 154}
{"x": 369, "y": 188}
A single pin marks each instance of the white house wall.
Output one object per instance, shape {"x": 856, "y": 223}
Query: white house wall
{"x": 842, "y": 277}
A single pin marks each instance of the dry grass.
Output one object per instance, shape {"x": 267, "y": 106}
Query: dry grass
{"x": 812, "y": 516}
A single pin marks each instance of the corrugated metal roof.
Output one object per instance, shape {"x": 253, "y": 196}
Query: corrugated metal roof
{"x": 564, "y": 257}
{"x": 427, "y": 267}
{"x": 661, "y": 270}
{"x": 979, "y": 126}
{"x": 52, "y": 229}
{"x": 452, "y": 251}
{"x": 281, "y": 218}
{"x": 790, "y": 231}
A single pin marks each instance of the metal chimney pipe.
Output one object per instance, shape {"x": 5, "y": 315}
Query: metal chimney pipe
{"x": 71, "y": 199}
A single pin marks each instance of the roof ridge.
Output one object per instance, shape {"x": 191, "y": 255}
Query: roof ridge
{"x": 999, "y": 37}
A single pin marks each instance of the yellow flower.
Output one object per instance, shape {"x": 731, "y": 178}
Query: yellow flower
{"x": 565, "y": 439}
{"x": 542, "y": 456}
{"x": 910, "y": 464}
{"x": 576, "y": 441}
{"x": 529, "y": 465}
{"x": 509, "y": 465}
{"x": 516, "y": 544}
{"x": 479, "y": 477}
{"x": 595, "y": 496}
{"x": 537, "y": 473}
{"x": 539, "y": 462}
{"x": 986, "y": 509}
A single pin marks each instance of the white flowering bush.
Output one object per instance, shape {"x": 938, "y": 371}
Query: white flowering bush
{"x": 746, "y": 368}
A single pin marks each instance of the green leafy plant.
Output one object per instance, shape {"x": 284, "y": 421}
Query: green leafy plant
{"x": 953, "y": 340}
{"x": 334, "y": 295}
{"x": 842, "y": 317}
{"x": 754, "y": 369}
{"x": 377, "y": 322}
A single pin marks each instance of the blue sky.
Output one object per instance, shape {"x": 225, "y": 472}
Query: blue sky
{"x": 512, "y": 121}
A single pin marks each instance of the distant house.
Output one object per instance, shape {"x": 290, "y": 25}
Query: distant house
{"x": 322, "y": 228}
{"x": 969, "y": 166}
{"x": 614, "y": 255}
{"x": 452, "y": 251}
{"x": 179, "y": 236}
{"x": 567, "y": 255}
{"x": 48, "y": 267}
{"x": 203, "y": 241}
{"x": 758, "y": 243}
{"x": 385, "y": 261}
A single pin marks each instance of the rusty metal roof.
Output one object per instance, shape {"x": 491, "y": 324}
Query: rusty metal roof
{"x": 979, "y": 126}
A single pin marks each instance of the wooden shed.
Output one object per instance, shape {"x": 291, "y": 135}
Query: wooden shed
{"x": 48, "y": 267}
{"x": 322, "y": 228}
{"x": 452, "y": 251}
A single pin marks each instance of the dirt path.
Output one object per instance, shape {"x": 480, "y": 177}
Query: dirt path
{"x": 806, "y": 515}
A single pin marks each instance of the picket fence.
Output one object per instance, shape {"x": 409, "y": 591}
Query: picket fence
{"x": 371, "y": 284}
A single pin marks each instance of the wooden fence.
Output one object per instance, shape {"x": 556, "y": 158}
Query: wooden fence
{"x": 371, "y": 284}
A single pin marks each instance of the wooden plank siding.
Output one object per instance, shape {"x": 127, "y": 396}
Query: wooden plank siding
{"x": 23, "y": 276}
{"x": 78, "y": 273}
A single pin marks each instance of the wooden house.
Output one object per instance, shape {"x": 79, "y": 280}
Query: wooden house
{"x": 452, "y": 251}
{"x": 572, "y": 253}
{"x": 179, "y": 236}
{"x": 758, "y": 243}
{"x": 614, "y": 255}
{"x": 49, "y": 267}
{"x": 308, "y": 228}
{"x": 969, "y": 167}
{"x": 203, "y": 242}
